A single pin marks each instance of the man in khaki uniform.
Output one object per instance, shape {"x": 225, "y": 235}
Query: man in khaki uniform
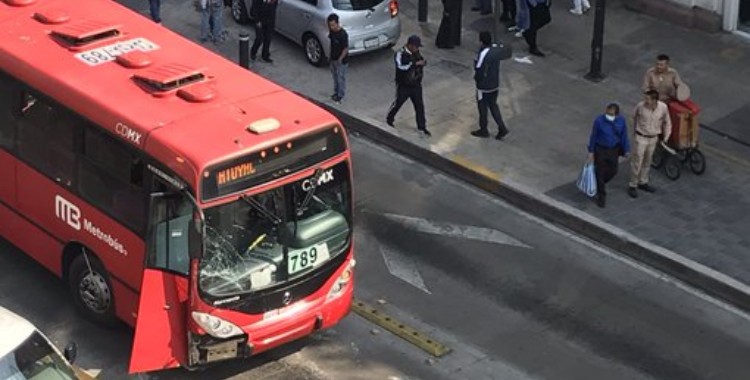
{"x": 663, "y": 79}
{"x": 651, "y": 118}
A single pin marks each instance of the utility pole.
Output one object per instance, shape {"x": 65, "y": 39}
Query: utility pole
{"x": 597, "y": 43}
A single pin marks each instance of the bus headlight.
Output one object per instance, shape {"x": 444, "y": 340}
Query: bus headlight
{"x": 340, "y": 284}
{"x": 216, "y": 326}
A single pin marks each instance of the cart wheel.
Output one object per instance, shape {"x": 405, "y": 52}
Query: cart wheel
{"x": 672, "y": 168}
{"x": 697, "y": 161}
{"x": 657, "y": 160}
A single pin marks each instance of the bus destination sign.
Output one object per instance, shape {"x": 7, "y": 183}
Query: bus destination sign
{"x": 233, "y": 174}
{"x": 272, "y": 163}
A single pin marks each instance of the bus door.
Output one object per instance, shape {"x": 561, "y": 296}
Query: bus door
{"x": 161, "y": 327}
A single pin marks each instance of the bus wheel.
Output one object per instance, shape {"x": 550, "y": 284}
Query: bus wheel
{"x": 92, "y": 290}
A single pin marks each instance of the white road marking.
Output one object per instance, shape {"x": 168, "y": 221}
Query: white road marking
{"x": 404, "y": 268}
{"x": 456, "y": 230}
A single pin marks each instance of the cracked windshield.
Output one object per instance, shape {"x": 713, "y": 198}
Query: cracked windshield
{"x": 269, "y": 238}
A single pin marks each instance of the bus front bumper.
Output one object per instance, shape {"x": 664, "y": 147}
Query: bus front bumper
{"x": 205, "y": 349}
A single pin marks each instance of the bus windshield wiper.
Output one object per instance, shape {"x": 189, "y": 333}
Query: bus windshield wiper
{"x": 261, "y": 209}
{"x": 309, "y": 196}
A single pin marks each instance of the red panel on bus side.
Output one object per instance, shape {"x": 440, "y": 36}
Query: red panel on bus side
{"x": 160, "y": 334}
{"x": 8, "y": 180}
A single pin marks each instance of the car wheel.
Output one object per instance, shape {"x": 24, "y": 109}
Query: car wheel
{"x": 313, "y": 50}
{"x": 239, "y": 11}
{"x": 92, "y": 290}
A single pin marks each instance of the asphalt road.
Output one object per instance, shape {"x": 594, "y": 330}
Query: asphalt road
{"x": 512, "y": 296}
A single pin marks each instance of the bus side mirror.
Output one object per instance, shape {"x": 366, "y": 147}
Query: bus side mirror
{"x": 70, "y": 353}
{"x": 195, "y": 240}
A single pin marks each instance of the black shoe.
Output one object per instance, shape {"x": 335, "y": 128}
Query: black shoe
{"x": 537, "y": 53}
{"x": 501, "y": 135}
{"x": 253, "y": 56}
{"x": 601, "y": 202}
{"x": 267, "y": 59}
{"x": 480, "y": 133}
{"x": 632, "y": 192}
{"x": 390, "y": 123}
{"x": 475, "y": 9}
{"x": 485, "y": 13}
{"x": 647, "y": 188}
{"x": 426, "y": 132}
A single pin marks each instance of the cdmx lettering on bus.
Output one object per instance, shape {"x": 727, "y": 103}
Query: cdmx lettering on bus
{"x": 127, "y": 133}
{"x": 325, "y": 177}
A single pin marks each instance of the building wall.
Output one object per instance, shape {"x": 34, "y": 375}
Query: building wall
{"x": 701, "y": 14}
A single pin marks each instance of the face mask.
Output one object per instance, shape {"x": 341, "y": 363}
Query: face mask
{"x": 610, "y": 117}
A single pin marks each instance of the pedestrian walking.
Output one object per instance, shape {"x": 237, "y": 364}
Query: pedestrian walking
{"x": 487, "y": 78}
{"x": 607, "y": 143}
{"x": 580, "y": 7}
{"x": 409, "y": 72}
{"x": 449, "y": 32}
{"x": 522, "y": 21}
{"x": 339, "y": 56}
{"x": 651, "y": 118}
{"x": 212, "y": 21}
{"x": 539, "y": 16}
{"x": 264, "y": 14}
{"x": 155, "y": 10}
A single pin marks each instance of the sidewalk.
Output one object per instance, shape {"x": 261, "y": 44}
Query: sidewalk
{"x": 692, "y": 224}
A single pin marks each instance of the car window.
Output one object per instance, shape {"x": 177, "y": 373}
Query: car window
{"x": 355, "y": 5}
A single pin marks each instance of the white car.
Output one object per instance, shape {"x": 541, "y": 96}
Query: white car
{"x": 26, "y": 354}
{"x": 370, "y": 24}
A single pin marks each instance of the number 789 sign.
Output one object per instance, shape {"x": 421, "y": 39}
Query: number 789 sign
{"x": 301, "y": 259}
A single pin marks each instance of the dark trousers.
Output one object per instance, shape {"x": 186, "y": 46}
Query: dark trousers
{"x": 408, "y": 92}
{"x": 509, "y": 10}
{"x": 605, "y": 167}
{"x": 154, "y": 6}
{"x": 263, "y": 32}
{"x": 489, "y": 101}
{"x": 530, "y": 37}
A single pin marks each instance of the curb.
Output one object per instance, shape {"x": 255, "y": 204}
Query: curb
{"x": 693, "y": 273}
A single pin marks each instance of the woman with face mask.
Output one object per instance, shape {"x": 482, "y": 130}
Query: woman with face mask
{"x": 608, "y": 141}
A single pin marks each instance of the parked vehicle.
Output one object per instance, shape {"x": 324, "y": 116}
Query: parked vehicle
{"x": 371, "y": 24}
{"x": 26, "y": 354}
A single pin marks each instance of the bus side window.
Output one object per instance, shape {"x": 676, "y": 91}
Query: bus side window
{"x": 169, "y": 220}
{"x": 111, "y": 177}
{"x": 9, "y": 97}
{"x": 46, "y": 138}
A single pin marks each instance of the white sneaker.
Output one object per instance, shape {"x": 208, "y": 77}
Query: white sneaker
{"x": 576, "y": 12}
{"x": 519, "y": 34}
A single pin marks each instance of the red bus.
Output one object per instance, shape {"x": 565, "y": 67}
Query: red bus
{"x": 203, "y": 205}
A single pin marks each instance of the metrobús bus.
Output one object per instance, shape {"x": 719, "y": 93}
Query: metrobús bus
{"x": 207, "y": 207}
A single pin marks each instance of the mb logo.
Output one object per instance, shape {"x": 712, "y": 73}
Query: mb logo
{"x": 68, "y": 212}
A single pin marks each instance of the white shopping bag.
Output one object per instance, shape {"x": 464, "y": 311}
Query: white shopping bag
{"x": 587, "y": 179}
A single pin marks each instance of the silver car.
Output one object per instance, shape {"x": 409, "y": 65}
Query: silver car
{"x": 371, "y": 24}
